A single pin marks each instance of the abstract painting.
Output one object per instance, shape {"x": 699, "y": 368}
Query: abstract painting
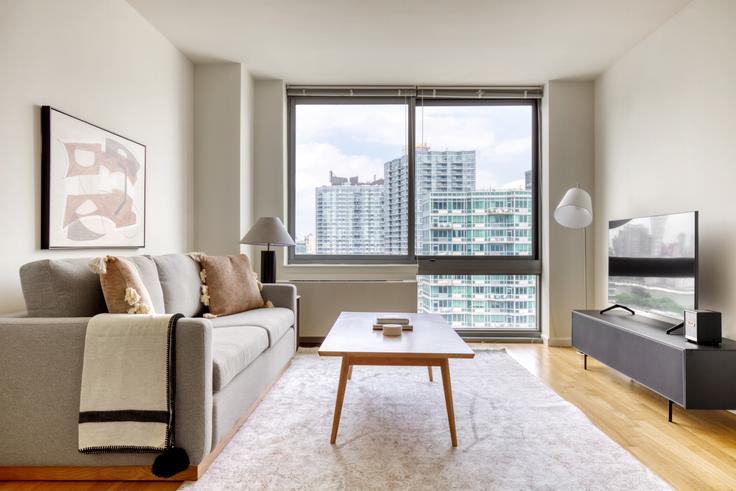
{"x": 93, "y": 185}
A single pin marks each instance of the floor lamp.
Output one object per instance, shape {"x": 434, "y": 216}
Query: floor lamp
{"x": 576, "y": 211}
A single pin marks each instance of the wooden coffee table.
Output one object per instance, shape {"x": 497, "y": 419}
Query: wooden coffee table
{"x": 431, "y": 344}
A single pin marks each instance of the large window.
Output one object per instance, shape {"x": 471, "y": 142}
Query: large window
{"x": 345, "y": 181}
{"x": 440, "y": 177}
{"x": 473, "y": 178}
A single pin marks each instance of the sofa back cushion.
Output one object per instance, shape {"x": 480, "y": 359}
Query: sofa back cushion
{"x": 149, "y": 274}
{"x": 61, "y": 288}
{"x": 180, "y": 283}
{"x": 67, "y": 287}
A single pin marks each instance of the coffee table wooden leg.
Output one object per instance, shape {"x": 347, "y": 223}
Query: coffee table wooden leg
{"x": 445, "y": 368}
{"x": 350, "y": 372}
{"x": 431, "y": 378}
{"x": 344, "y": 369}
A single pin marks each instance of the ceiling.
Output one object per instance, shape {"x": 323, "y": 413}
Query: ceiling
{"x": 410, "y": 41}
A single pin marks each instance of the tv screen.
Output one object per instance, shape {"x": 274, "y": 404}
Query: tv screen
{"x": 652, "y": 263}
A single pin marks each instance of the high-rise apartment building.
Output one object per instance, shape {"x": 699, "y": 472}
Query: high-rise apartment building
{"x": 396, "y": 205}
{"x": 480, "y": 301}
{"x": 478, "y": 223}
{"x": 436, "y": 171}
{"x": 349, "y": 217}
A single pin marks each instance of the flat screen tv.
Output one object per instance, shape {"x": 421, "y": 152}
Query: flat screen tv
{"x": 653, "y": 264}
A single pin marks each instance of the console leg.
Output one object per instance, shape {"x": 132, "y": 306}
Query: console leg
{"x": 669, "y": 417}
{"x": 585, "y": 361}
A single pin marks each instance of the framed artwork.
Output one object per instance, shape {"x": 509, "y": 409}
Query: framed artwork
{"x": 93, "y": 185}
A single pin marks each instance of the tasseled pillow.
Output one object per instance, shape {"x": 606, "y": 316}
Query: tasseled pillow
{"x": 229, "y": 285}
{"x": 122, "y": 286}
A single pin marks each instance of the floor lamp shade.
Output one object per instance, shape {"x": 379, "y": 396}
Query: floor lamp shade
{"x": 575, "y": 210}
{"x": 268, "y": 231}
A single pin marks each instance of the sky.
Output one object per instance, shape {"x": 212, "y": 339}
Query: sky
{"x": 356, "y": 140}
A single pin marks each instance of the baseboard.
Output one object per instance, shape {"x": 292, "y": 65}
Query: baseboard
{"x": 311, "y": 341}
{"x": 557, "y": 341}
{"x": 130, "y": 472}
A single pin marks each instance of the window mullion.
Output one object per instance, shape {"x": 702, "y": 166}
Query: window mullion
{"x": 411, "y": 156}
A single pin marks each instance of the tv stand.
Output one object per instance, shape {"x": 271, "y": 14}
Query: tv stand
{"x": 691, "y": 375}
{"x": 617, "y": 306}
{"x": 675, "y": 328}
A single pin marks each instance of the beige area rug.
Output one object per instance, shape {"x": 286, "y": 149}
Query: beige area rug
{"x": 514, "y": 433}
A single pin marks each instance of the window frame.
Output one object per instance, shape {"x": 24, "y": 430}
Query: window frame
{"x": 427, "y": 264}
{"x": 357, "y": 259}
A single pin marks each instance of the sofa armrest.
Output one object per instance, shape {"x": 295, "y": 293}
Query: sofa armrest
{"x": 194, "y": 387}
{"x": 280, "y": 295}
{"x": 40, "y": 375}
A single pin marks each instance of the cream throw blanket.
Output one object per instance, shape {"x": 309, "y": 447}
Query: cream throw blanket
{"x": 128, "y": 382}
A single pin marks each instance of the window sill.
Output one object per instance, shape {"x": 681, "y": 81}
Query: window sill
{"x": 353, "y": 272}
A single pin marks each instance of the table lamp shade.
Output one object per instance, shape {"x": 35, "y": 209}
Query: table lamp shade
{"x": 575, "y": 210}
{"x": 268, "y": 231}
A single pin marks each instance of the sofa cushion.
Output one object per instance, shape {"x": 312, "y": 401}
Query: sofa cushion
{"x": 67, "y": 287}
{"x": 180, "y": 284}
{"x": 275, "y": 321}
{"x": 61, "y": 288}
{"x": 233, "y": 349}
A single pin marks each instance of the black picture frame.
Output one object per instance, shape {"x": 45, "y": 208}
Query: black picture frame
{"x": 49, "y": 229}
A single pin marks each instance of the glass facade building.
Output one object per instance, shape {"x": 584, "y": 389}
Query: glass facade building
{"x": 476, "y": 223}
{"x": 480, "y": 301}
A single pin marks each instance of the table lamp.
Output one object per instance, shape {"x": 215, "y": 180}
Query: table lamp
{"x": 268, "y": 231}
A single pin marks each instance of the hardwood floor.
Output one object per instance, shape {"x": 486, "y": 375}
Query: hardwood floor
{"x": 696, "y": 451}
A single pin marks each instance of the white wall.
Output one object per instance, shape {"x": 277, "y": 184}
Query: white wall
{"x": 223, "y": 156}
{"x": 102, "y": 62}
{"x": 665, "y": 141}
{"x": 269, "y": 161}
{"x": 567, "y": 160}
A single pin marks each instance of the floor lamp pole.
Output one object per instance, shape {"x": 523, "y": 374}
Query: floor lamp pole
{"x": 585, "y": 264}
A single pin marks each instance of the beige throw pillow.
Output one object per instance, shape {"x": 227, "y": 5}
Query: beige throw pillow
{"x": 122, "y": 286}
{"x": 229, "y": 285}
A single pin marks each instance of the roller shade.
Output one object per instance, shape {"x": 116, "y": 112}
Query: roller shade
{"x": 530, "y": 92}
{"x": 343, "y": 91}
{"x": 420, "y": 92}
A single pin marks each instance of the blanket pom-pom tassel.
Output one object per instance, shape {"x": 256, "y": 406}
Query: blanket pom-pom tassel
{"x": 171, "y": 462}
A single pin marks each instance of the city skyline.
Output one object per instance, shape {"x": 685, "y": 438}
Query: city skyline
{"x": 395, "y": 184}
{"x": 358, "y": 139}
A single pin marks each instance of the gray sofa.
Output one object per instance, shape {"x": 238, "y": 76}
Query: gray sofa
{"x": 223, "y": 364}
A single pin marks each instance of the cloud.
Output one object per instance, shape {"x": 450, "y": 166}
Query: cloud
{"x": 517, "y": 146}
{"x": 384, "y": 124}
{"x": 517, "y": 184}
